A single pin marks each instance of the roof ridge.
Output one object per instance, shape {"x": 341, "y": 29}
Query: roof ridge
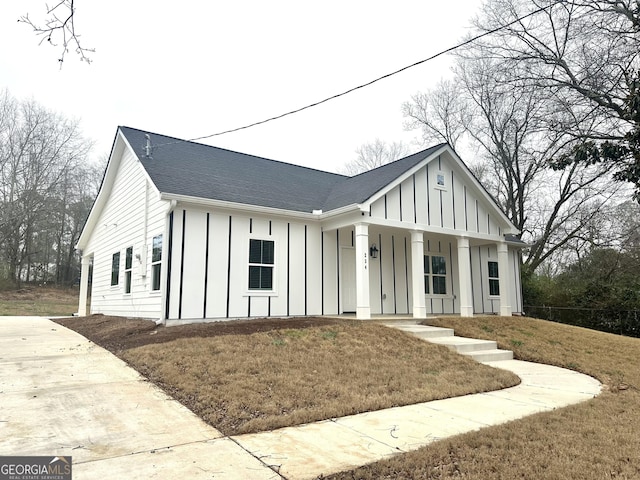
{"x": 388, "y": 164}
{"x": 180, "y": 140}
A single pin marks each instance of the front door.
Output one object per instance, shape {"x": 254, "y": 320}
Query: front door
{"x": 348, "y": 279}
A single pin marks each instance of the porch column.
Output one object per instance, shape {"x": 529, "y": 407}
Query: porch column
{"x": 503, "y": 279}
{"x": 363, "y": 305}
{"x": 84, "y": 286}
{"x": 464, "y": 274}
{"x": 417, "y": 274}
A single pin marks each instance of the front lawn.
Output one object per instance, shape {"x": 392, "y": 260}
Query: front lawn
{"x": 595, "y": 440}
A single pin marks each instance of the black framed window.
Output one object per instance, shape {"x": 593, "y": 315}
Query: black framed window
{"x": 435, "y": 275}
{"x": 115, "y": 269}
{"x": 261, "y": 264}
{"x": 494, "y": 279}
{"x": 156, "y": 262}
{"x": 128, "y": 264}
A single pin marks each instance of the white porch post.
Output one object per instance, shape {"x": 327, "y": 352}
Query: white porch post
{"x": 363, "y": 305}
{"x": 84, "y": 286}
{"x": 503, "y": 278}
{"x": 417, "y": 274}
{"x": 464, "y": 274}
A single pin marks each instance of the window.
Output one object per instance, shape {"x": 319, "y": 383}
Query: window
{"x": 261, "y": 261}
{"x": 494, "y": 282}
{"x": 128, "y": 262}
{"x": 156, "y": 258}
{"x": 115, "y": 268}
{"x": 441, "y": 181}
{"x": 435, "y": 275}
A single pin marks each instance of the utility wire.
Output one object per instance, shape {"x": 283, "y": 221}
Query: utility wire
{"x": 338, "y": 95}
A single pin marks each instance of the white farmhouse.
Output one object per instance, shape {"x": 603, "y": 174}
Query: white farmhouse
{"x": 183, "y": 232}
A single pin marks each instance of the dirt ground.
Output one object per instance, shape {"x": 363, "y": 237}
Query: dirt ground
{"x": 117, "y": 334}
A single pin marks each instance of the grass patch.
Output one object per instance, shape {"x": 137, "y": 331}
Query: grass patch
{"x": 39, "y": 301}
{"x": 250, "y": 383}
{"x": 593, "y": 440}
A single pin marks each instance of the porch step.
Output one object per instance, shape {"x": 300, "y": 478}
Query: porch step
{"x": 483, "y": 356}
{"x": 480, "y": 350}
{"x": 465, "y": 345}
{"x": 424, "y": 331}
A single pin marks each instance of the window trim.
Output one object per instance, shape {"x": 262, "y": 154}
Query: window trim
{"x": 115, "y": 269}
{"x": 491, "y": 278}
{"x": 438, "y": 185}
{"x": 128, "y": 270}
{"x": 428, "y": 276}
{"x": 262, "y": 292}
{"x": 156, "y": 264}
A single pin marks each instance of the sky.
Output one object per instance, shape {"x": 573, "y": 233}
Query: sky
{"x": 193, "y": 68}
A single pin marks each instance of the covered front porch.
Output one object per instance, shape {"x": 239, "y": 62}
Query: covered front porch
{"x": 390, "y": 272}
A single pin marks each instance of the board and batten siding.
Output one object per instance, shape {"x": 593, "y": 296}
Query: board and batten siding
{"x": 210, "y": 265}
{"x": 482, "y": 301}
{"x": 132, "y": 208}
{"x": 454, "y": 205}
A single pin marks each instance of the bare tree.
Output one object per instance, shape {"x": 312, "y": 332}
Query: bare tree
{"x": 586, "y": 54}
{"x": 41, "y": 163}
{"x": 508, "y": 124}
{"x": 59, "y": 30}
{"x": 442, "y": 112}
{"x": 373, "y": 155}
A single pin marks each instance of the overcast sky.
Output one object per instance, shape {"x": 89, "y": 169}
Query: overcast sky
{"x": 192, "y": 68}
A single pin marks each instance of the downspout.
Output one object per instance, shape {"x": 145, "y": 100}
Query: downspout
{"x": 145, "y": 232}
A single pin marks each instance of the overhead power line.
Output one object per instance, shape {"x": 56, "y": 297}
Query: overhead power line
{"x": 391, "y": 74}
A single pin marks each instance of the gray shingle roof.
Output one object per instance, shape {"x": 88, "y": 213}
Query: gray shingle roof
{"x": 192, "y": 169}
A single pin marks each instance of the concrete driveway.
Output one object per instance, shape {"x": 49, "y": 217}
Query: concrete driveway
{"x": 61, "y": 394}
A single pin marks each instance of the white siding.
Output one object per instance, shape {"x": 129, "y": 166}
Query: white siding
{"x": 457, "y": 205}
{"x": 393, "y": 204}
{"x": 385, "y": 257}
{"x": 330, "y": 272}
{"x": 482, "y": 301}
{"x": 297, "y": 274}
{"x": 217, "y": 265}
{"x": 407, "y": 201}
{"x": 121, "y": 224}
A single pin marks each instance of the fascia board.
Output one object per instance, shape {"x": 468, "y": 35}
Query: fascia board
{"x": 225, "y": 205}
{"x": 101, "y": 198}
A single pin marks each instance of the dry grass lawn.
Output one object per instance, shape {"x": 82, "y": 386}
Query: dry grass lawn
{"x": 265, "y": 380}
{"x": 39, "y": 301}
{"x": 595, "y": 440}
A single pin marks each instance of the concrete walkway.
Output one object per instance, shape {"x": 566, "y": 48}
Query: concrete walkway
{"x": 62, "y": 395}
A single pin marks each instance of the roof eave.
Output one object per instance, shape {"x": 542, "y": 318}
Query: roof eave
{"x": 226, "y": 205}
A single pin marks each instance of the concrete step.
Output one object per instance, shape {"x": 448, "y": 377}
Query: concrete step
{"x": 480, "y": 350}
{"x": 465, "y": 345}
{"x": 483, "y": 356}
{"x": 424, "y": 331}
